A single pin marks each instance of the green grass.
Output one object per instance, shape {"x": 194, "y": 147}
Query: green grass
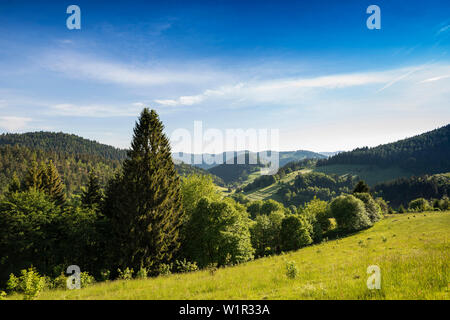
{"x": 371, "y": 174}
{"x": 412, "y": 251}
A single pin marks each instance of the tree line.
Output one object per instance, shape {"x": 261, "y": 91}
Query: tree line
{"x": 427, "y": 153}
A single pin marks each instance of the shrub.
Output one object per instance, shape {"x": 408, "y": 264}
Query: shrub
{"x": 142, "y": 273}
{"x": 165, "y": 269}
{"x": 350, "y": 213}
{"x": 295, "y": 233}
{"x": 212, "y": 268}
{"x": 86, "y": 279}
{"x": 60, "y": 282}
{"x": 401, "y": 209}
{"x": 185, "y": 266}
{"x": 126, "y": 274}
{"x": 2, "y": 295}
{"x": 215, "y": 230}
{"x": 291, "y": 270}
{"x": 419, "y": 205}
{"x": 30, "y": 283}
{"x": 316, "y": 213}
{"x": 372, "y": 208}
{"x": 105, "y": 274}
{"x": 266, "y": 233}
{"x": 385, "y": 209}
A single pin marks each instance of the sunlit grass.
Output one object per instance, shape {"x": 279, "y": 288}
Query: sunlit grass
{"x": 412, "y": 251}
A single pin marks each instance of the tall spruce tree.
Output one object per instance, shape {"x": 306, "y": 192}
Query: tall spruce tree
{"x": 92, "y": 195}
{"x": 143, "y": 202}
{"x": 33, "y": 177}
{"x": 52, "y": 184}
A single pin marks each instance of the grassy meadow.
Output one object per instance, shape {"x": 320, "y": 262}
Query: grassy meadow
{"x": 412, "y": 251}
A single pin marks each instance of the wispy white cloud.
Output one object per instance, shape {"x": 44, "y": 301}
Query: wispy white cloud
{"x": 12, "y": 124}
{"x": 95, "y": 110}
{"x": 288, "y": 91}
{"x": 91, "y": 68}
{"x": 436, "y": 78}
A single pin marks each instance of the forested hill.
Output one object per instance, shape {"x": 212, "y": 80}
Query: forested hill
{"x": 73, "y": 156}
{"x": 62, "y": 142}
{"x": 425, "y": 153}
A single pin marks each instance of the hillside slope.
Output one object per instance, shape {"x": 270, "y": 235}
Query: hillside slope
{"x": 412, "y": 251}
{"x": 73, "y": 156}
{"x": 426, "y": 153}
{"x": 62, "y": 142}
{"x": 284, "y": 157}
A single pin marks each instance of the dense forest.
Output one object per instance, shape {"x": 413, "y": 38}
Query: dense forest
{"x": 315, "y": 184}
{"x": 236, "y": 172}
{"x": 62, "y": 143}
{"x": 427, "y": 153}
{"x": 402, "y": 191}
{"x": 73, "y": 167}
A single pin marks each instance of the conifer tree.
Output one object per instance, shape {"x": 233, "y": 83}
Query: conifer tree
{"x": 361, "y": 187}
{"x": 14, "y": 186}
{"x": 92, "y": 195}
{"x": 143, "y": 202}
{"x": 33, "y": 177}
{"x": 52, "y": 184}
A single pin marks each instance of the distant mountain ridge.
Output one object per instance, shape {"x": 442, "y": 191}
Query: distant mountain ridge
{"x": 285, "y": 157}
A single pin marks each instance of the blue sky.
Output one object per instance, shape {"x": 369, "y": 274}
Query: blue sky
{"x": 311, "y": 69}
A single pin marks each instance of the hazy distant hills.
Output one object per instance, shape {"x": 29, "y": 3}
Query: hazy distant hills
{"x": 264, "y": 157}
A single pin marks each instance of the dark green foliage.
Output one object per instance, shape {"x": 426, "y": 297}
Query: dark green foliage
{"x": 269, "y": 206}
{"x": 295, "y": 233}
{"x": 73, "y": 168}
{"x": 361, "y": 187}
{"x": 236, "y": 172}
{"x": 92, "y": 196}
{"x": 425, "y": 153}
{"x": 309, "y": 185}
{"x": 143, "y": 202}
{"x": 218, "y": 233}
{"x": 260, "y": 182}
{"x": 34, "y": 230}
{"x": 403, "y": 190}
{"x": 45, "y": 178}
{"x": 266, "y": 233}
{"x": 254, "y": 208}
{"x": 350, "y": 213}
{"x": 419, "y": 205}
{"x": 372, "y": 208}
{"x": 384, "y": 206}
{"x": 266, "y": 207}
{"x": 401, "y": 209}
{"x": 74, "y": 158}
{"x": 52, "y": 184}
{"x": 53, "y": 142}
